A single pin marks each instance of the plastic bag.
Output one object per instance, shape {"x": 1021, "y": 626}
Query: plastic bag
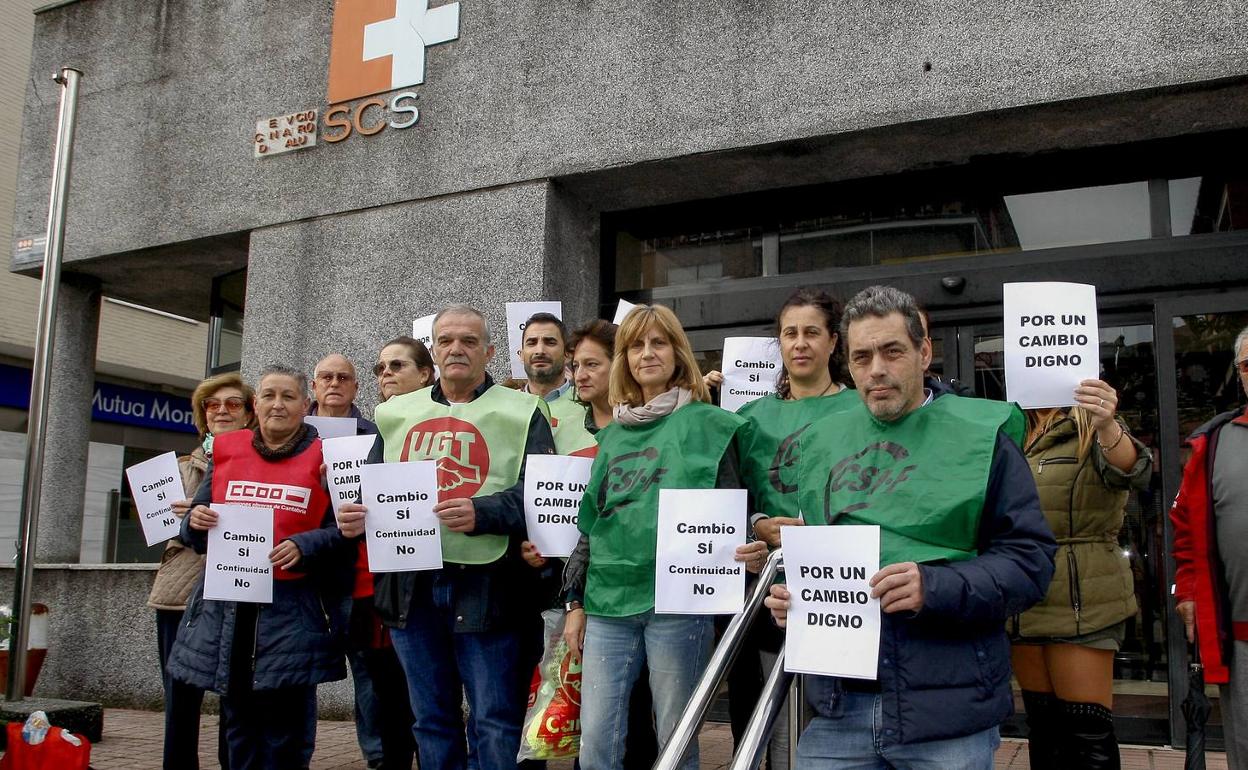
{"x": 552, "y": 723}
{"x": 36, "y": 745}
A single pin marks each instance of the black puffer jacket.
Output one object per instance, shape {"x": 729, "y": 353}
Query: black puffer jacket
{"x": 300, "y": 639}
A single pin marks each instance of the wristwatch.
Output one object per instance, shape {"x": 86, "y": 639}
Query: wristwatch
{"x": 573, "y": 605}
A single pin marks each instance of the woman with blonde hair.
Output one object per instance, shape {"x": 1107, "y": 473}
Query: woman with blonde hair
{"x": 665, "y": 435}
{"x": 1084, "y": 462}
{"x": 219, "y": 405}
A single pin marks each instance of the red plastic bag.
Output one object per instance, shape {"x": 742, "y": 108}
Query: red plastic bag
{"x": 56, "y": 752}
{"x": 552, "y": 724}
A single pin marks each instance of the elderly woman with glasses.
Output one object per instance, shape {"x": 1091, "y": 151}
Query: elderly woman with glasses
{"x": 220, "y": 404}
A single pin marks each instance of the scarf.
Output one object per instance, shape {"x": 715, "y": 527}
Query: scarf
{"x": 658, "y": 407}
{"x": 283, "y": 451}
{"x": 207, "y": 446}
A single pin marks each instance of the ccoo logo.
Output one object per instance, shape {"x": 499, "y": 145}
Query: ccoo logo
{"x": 379, "y": 45}
{"x": 461, "y": 453}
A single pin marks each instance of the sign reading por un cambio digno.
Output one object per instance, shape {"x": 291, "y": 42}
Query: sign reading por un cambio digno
{"x": 376, "y": 47}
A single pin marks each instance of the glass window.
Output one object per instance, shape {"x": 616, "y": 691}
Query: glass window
{"x": 229, "y": 298}
{"x": 644, "y": 263}
{"x": 1077, "y": 217}
{"x": 1208, "y": 204}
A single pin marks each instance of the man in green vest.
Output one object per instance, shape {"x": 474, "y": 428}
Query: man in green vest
{"x": 458, "y": 630}
{"x": 963, "y": 546}
{"x": 544, "y": 354}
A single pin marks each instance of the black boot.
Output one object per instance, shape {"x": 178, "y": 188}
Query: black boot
{"x": 1042, "y": 727}
{"x": 1088, "y": 736}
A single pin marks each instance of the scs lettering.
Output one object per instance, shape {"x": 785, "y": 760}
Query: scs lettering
{"x": 460, "y": 451}
{"x": 864, "y": 478}
{"x": 277, "y": 495}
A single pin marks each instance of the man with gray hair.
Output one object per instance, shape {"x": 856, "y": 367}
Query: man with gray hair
{"x": 963, "y": 546}
{"x": 1210, "y": 517}
{"x": 458, "y": 630}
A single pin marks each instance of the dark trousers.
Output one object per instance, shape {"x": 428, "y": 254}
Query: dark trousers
{"x": 182, "y": 705}
{"x": 390, "y": 704}
{"x": 267, "y": 729}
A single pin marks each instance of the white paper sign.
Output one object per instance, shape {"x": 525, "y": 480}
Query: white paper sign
{"x": 400, "y": 528}
{"x": 154, "y": 485}
{"x": 422, "y": 330}
{"x": 751, "y": 366}
{"x": 343, "y": 458}
{"x": 622, "y": 310}
{"x": 553, "y": 488}
{"x": 699, "y": 531}
{"x": 1052, "y": 341}
{"x": 332, "y": 427}
{"x": 238, "y": 568}
{"x": 518, "y": 313}
{"x": 834, "y": 624}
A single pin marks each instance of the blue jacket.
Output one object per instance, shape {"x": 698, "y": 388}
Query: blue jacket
{"x": 945, "y": 671}
{"x": 300, "y": 637}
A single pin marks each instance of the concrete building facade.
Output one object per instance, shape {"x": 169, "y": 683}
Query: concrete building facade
{"x": 709, "y": 157}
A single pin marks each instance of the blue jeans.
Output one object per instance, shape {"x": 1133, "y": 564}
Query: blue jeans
{"x": 367, "y": 708}
{"x": 675, "y": 647}
{"x": 852, "y": 741}
{"x": 441, "y": 667}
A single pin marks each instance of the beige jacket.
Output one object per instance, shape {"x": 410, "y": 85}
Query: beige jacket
{"x": 180, "y": 567}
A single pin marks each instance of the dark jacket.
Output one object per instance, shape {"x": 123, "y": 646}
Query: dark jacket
{"x": 485, "y": 596}
{"x": 1083, "y": 498}
{"x": 1199, "y": 576}
{"x": 299, "y": 638}
{"x": 945, "y": 671}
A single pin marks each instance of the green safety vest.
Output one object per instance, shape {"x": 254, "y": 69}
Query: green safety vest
{"x": 770, "y": 444}
{"x": 922, "y": 478}
{"x": 567, "y": 423}
{"x": 620, "y": 509}
{"x": 479, "y": 448}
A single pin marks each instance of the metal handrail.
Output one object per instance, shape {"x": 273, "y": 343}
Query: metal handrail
{"x": 686, "y": 730}
{"x": 753, "y": 743}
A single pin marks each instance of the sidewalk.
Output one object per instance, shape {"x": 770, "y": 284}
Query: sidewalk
{"x": 132, "y": 741}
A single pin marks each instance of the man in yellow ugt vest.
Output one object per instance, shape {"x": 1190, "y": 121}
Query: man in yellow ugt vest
{"x": 963, "y": 546}
{"x": 458, "y": 629}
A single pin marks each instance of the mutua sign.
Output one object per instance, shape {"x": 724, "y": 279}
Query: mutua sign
{"x": 378, "y": 46}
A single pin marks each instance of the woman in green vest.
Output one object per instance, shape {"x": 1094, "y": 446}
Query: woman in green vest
{"x": 809, "y": 388}
{"x": 665, "y": 436}
{"x": 1084, "y": 462}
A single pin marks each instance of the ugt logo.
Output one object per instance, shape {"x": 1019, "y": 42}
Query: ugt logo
{"x": 379, "y": 45}
{"x": 460, "y": 451}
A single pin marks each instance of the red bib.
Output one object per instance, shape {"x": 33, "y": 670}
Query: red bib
{"x": 290, "y": 487}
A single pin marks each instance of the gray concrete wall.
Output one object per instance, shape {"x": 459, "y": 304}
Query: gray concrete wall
{"x": 534, "y": 90}
{"x": 102, "y": 638}
{"x": 349, "y": 282}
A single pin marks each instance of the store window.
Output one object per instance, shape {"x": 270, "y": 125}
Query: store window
{"x": 225, "y": 336}
{"x": 985, "y": 208}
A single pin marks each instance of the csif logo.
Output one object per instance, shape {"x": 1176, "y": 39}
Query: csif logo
{"x": 379, "y": 46}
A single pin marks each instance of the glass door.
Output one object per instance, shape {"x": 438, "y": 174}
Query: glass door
{"x": 1197, "y": 364}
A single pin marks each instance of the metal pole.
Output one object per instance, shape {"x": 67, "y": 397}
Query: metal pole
{"x": 797, "y": 706}
{"x": 45, "y": 339}
{"x": 686, "y": 730}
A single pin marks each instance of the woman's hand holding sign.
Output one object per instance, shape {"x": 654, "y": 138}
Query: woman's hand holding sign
{"x": 203, "y": 518}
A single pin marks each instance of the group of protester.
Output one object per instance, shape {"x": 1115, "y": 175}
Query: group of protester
{"x": 998, "y": 545}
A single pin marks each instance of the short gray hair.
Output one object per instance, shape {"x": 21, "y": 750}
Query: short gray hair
{"x": 460, "y": 308}
{"x": 881, "y": 302}
{"x": 1240, "y": 339}
{"x": 284, "y": 371}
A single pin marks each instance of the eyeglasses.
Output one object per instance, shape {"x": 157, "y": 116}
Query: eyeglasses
{"x": 328, "y": 377}
{"x": 1243, "y": 366}
{"x": 395, "y": 366}
{"x": 231, "y": 404}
